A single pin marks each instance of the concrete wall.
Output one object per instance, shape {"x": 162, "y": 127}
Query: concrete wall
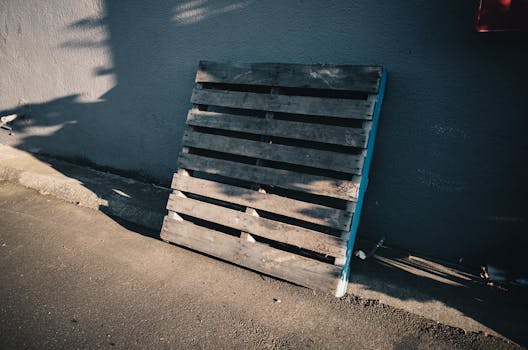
{"x": 109, "y": 82}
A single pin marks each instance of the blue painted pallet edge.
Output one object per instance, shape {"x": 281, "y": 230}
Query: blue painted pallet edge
{"x": 345, "y": 272}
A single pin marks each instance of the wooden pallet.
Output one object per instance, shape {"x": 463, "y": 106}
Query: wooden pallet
{"x": 274, "y": 167}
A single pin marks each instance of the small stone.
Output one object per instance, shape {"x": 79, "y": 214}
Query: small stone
{"x": 277, "y": 300}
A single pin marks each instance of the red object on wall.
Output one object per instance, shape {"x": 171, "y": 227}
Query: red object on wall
{"x": 502, "y": 15}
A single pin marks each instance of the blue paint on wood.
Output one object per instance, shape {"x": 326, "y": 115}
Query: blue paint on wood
{"x": 343, "y": 280}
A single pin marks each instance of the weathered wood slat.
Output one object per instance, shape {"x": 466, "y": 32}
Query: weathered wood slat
{"x": 295, "y": 130}
{"x": 331, "y": 107}
{"x": 314, "y": 184}
{"x": 274, "y": 230}
{"x": 303, "y": 271}
{"x": 318, "y": 76}
{"x": 309, "y": 212}
{"x": 348, "y": 163}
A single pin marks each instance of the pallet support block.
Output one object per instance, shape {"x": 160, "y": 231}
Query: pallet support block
{"x": 274, "y": 167}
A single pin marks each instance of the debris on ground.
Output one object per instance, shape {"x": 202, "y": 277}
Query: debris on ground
{"x": 363, "y": 256}
{"x": 498, "y": 278}
{"x": 376, "y": 247}
{"x": 7, "y": 119}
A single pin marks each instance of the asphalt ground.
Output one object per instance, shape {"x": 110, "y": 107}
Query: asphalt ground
{"x": 71, "y": 277}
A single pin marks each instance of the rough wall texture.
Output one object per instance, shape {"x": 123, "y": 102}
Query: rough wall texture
{"x": 109, "y": 82}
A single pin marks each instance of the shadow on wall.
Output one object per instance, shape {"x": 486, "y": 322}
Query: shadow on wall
{"x": 144, "y": 113}
{"x": 146, "y": 38}
{"x": 135, "y": 128}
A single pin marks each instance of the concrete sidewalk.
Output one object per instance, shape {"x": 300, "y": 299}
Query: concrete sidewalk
{"x": 127, "y": 199}
{"x": 444, "y": 294}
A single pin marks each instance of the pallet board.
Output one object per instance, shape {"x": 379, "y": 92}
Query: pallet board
{"x": 274, "y": 167}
